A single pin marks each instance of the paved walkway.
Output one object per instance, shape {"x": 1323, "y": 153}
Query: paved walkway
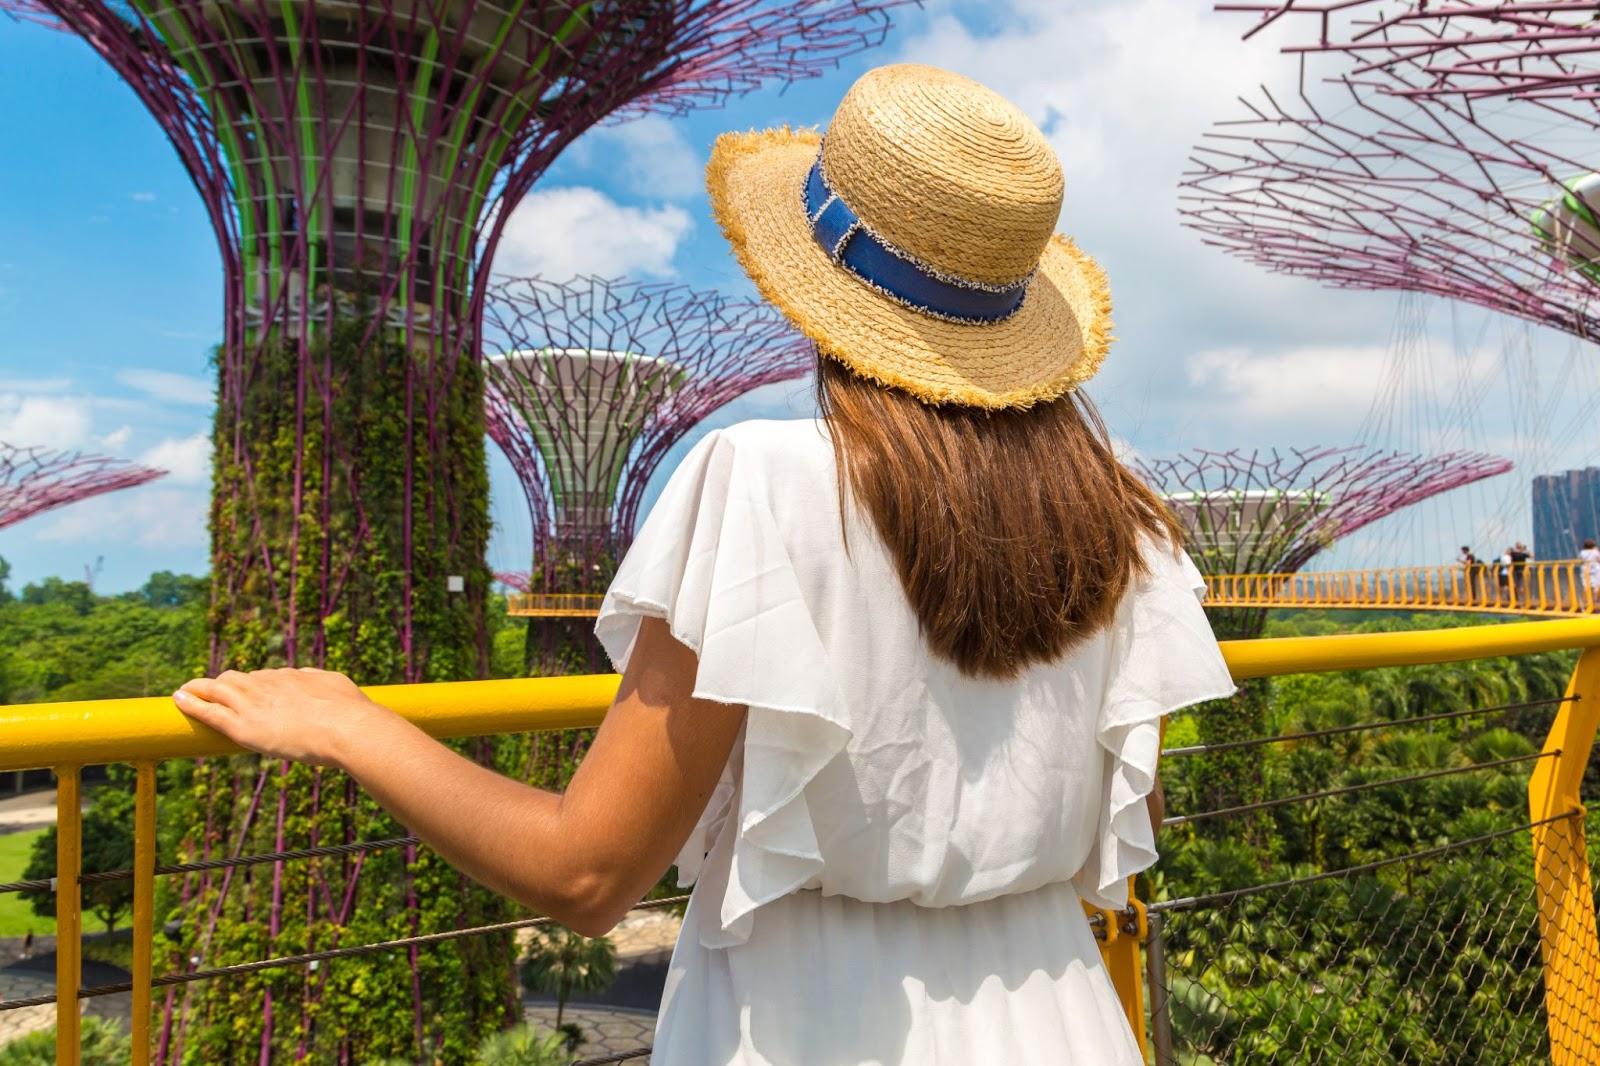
{"x": 29, "y": 810}
{"x": 25, "y": 984}
{"x": 645, "y": 933}
{"x": 606, "y": 1029}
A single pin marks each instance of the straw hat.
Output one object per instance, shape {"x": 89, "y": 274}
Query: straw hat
{"x": 916, "y": 244}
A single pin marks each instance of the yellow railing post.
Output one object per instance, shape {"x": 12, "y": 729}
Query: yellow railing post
{"x": 1567, "y": 933}
{"x": 69, "y": 913}
{"x": 144, "y": 905}
{"x": 1121, "y": 934}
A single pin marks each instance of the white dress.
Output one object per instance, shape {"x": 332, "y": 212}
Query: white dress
{"x": 890, "y": 870}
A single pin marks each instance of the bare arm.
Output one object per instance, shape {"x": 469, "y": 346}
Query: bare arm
{"x": 584, "y": 857}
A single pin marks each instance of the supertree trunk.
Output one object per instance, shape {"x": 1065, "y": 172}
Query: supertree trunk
{"x": 350, "y": 489}
{"x": 359, "y": 160}
{"x": 591, "y": 382}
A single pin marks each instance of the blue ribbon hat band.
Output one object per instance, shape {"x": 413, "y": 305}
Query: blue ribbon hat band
{"x": 892, "y": 272}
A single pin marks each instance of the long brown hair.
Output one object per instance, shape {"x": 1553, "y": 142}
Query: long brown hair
{"x": 1015, "y": 532}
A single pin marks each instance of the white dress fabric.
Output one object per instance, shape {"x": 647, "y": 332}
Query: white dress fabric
{"x": 890, "y": 870}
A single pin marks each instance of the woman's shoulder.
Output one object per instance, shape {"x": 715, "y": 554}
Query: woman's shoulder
{"x": 793, "y": 450}
{"x": 783, "y": 436}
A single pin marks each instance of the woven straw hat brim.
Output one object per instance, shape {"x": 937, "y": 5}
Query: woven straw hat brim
{"x": 1051, "y": 345}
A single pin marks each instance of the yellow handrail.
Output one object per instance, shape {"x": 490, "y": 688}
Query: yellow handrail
{"x": 67, "y": 736}
{"x": 1555, "y": 588}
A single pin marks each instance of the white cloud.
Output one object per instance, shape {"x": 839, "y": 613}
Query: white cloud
{"x": 559, "y": 233}
{"x": 187, "y": 460}
{"x": 650, "y": 156}
{"x": 117, "y": 438}
{"x": 1123, "y": 90}
{"x": 151, "y": 516}
{"x": 142, "y": 197}
{"x": 167, "y": 386}
{"x": 35, "y": 385}
{"x": 1290, "y": 385}
{"x": 50, "y": 421}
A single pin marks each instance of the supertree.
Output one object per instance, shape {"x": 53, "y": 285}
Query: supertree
{"x": 1525, "y": 49}
{"x": 359, "y": 161}
{"x": 35, "y": 480}
{"x": 595, "y": 382}
{"x": 1270, "y": 512}
{"x": 1403, "y": 177}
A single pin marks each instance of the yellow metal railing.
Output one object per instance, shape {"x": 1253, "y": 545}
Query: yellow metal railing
{"x": 1557, "y": 589}
{"x": 68, "y": 736}
{"x": 553, "y": 604}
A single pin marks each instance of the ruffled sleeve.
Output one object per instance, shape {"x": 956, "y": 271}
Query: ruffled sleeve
{"x": 712, "y": 562}
{"x": 1163, "y": 658}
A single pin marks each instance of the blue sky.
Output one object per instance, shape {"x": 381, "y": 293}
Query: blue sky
{"x": 110, "y": 289}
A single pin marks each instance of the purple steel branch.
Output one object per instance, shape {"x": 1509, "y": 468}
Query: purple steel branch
{"x": 1375, "y": 191}
{"x": 1531, "y": 49}
{"x": 1306, "y": 499}
{"x": 360, "y": 159}
{"x": 34, "y": 480}
{"x": 704, "y": 349}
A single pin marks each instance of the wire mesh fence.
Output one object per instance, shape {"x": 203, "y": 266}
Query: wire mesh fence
{"x": 1375, "y": 902}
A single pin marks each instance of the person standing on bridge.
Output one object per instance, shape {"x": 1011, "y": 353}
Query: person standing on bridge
{"x": 1518, "y": 555}
{"x": 894, "y": 679}
{"x": 1590, "y": 558}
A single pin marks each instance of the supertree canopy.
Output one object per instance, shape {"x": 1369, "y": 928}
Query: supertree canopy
{"x": 1270, "y": 512}
{"x": 1398, "y": 173}
{"x": 1528, "y": 49}
{"x": 359, "y": 161}
{"x": 34, "y": 480}
{"x": 596, "y": 381}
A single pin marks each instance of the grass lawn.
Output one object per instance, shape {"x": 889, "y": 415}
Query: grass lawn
{"x": 16, "y": 916}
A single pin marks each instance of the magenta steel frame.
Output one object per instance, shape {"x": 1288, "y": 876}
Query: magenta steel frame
{"x": 362, "y": 158}
{"x": 359, "y": 161}
{"x": 1359, "y": 486}
{"x": 34, "y": 480}
{"x": 1525, "y": 49}
{"x": 714, "y": 348}
{"x": 1364, "y": 189}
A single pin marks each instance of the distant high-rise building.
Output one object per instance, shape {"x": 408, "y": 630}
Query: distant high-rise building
{"x": 1566, "y": 510}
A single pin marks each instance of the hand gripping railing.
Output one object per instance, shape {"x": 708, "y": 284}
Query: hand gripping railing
{"x": 68, "y": 736}
{"x": 1558, "y": 589}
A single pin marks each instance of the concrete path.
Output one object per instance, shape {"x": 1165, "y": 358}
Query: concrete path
{"x": 27, "y": 983}
{"x": 30, "y": 810}
{"x": 606, "y": 1029}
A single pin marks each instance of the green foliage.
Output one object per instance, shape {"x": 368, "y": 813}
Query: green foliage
{"x": 350, "y": 482}
{"x": 524, "y": 1045}
{"x": 562, "y": 963}
{"x": 107, "y": 845}
{"x": 1422, "y": 961}
{"x": 16, "y": 914}
{"x": 104, "y": 1044}
{"x": 59, "y": 641}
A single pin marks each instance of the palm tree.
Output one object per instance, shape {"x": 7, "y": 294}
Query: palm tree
{"x": 560, "y": 963}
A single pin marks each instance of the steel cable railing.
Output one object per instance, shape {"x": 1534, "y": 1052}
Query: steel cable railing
{"x": 1441, "y": 965}
{"x": 1359, "y": 727}
{"x": 1348, "y": 790}
{"x": 312, "y": 957}
{"x": 231, "y": 862}
{"x": 1429, "y": 954}
{"x": 1475, "y": 944}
